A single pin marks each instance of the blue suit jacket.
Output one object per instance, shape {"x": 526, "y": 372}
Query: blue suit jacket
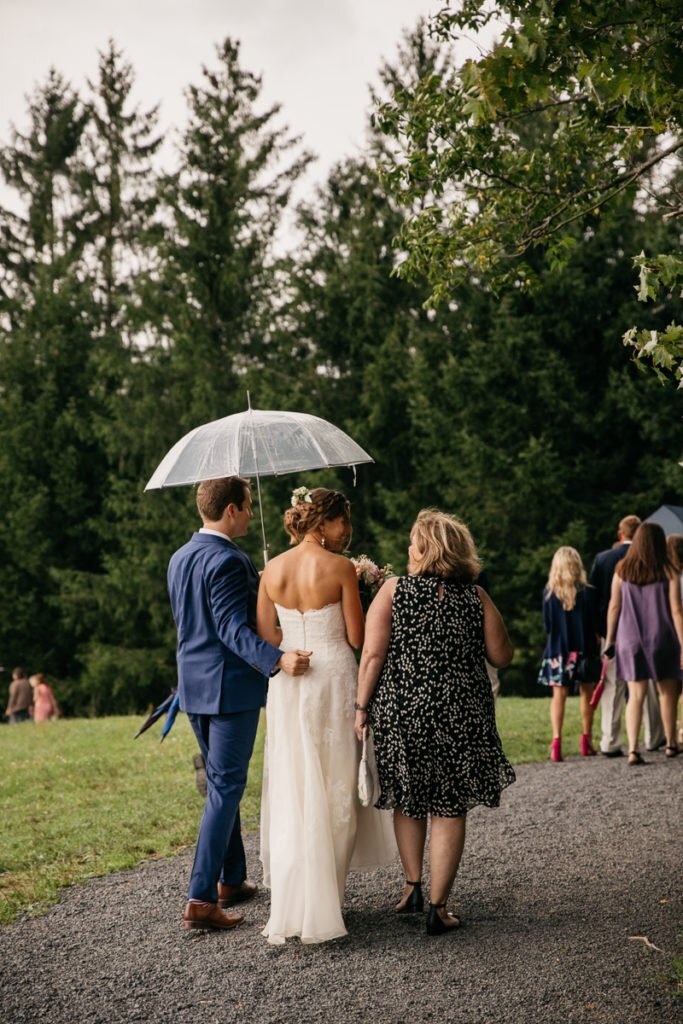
{"x": 601, "y": 574}
{"x": 222, "y": 663}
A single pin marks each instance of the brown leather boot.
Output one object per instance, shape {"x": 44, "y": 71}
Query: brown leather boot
{"x": 229, "y": 894}
{"x": 211, "y": 916}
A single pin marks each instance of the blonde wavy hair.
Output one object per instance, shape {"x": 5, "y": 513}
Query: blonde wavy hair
{"x": 445, "y": 545}
{"x": 566, "y": 577}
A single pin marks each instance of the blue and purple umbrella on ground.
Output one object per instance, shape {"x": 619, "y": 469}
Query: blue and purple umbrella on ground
{"x": 169, "y": 707}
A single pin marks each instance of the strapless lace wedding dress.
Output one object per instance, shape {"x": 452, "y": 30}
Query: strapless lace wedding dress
{"x": 313, "y": 828}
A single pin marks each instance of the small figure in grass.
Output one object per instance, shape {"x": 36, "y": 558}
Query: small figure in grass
{"x": 20, "y": 698}
{"x": 45, "y": 706}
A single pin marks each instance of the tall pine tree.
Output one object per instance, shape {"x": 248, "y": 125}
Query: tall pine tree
{"x": 51, "y": 465}
{"x": 118, "y": 186}
{"x": 204, "y": 306}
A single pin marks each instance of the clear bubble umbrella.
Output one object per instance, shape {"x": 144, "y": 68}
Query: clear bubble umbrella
{"x": 256, "y": 443}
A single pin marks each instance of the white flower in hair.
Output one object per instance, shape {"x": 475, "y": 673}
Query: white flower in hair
{"x": 301, "y": 494}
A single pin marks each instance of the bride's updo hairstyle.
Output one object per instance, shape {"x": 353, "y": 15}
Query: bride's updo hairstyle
{"x": 446, "y": 547}
{"x": 312, "y": 510}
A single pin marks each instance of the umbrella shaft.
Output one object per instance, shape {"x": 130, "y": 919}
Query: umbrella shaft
{"x": 263, "y": 525}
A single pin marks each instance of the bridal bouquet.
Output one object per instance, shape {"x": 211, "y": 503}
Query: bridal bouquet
{"x": 370, "y": 577}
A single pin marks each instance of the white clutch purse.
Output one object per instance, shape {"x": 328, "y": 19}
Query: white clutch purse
{"x": 368, "y": 779}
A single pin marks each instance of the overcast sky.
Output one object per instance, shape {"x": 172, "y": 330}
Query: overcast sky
{"x": 317, "y": 57}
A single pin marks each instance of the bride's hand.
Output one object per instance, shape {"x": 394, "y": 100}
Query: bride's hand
{"x": 294, "y": 663}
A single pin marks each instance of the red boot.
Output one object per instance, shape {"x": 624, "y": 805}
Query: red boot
{"x": 556, "y": 749}
{"x": 587, "y": 748}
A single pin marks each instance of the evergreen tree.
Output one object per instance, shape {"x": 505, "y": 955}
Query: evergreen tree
{"x": 204, "y": 305}
{"x": 50, "y": 460}
{"x": 118, "y": 188}
{"x": 350, "y": 330}
{"x": 134, "y": 307}
{"x": 347, "y": 333}
{"x": 117, "y": 185}
{"x": 534, "y": 426}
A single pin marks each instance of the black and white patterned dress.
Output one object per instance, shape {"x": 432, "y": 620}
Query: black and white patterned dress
{"x": 432, "y": 712}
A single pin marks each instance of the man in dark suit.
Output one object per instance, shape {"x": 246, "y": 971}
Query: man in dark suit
{"x": 614, "y": 694}
{"x": 222, "y": 672}
{"x": 20, "y": 698}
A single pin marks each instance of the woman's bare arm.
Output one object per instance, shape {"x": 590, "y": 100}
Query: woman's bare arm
{"x": 266, "y": 616}
{"x": 351, "y": 606}
{"x": 676, "y": 608}
{"x": 613, "y": 611}
{"x": 377, "y": 634}
{"x": 499, "y": 649}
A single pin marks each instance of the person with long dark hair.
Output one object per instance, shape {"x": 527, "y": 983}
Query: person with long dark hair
{"x": 645, "y": 626}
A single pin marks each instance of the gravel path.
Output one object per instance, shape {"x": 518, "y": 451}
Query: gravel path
{"x": 580, "y": 857}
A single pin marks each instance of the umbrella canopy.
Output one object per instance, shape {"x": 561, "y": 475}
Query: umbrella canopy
{"x": 256, "y": 443}
{"x": 669, "y": 517}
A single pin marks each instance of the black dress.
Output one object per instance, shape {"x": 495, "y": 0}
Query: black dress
{"x": 432, "y": 712}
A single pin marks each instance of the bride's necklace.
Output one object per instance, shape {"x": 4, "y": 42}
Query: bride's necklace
{"x": 314, "y": 540}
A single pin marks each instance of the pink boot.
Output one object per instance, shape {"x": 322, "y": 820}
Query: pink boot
{"x": 587, "y": 749}
{"x": 556, "y": 749}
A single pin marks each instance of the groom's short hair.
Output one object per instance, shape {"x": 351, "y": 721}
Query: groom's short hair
{"x": 214, "y": 496}
{"x": 628, "y": 526}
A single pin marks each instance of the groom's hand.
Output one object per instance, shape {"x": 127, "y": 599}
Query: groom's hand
{"x": 294, "y": 663}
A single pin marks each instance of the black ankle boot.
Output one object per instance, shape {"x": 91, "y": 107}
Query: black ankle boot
{"x": 415, "y": 902}
{"x": 436, "y": 924}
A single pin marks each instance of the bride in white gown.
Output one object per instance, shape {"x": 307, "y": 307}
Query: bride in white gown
{"x": 313, "y": 829}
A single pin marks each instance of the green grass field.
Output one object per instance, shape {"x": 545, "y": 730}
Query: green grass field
{"x": 81, "y": 798}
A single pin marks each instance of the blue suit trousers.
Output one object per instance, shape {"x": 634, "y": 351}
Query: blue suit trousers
{"x": 226, "y": 742}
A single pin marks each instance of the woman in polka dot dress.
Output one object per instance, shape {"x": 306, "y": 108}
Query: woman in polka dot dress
{"x": 424, "y": 690}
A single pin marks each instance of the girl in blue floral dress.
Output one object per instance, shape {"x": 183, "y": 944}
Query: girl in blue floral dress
{"x": 571, "y": 655}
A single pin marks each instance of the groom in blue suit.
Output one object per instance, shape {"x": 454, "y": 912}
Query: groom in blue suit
{"x": 222, "y": 672}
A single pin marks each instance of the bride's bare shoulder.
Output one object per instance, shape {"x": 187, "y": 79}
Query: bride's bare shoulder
{"x": 341, "y": 561}
{"x": 341, "y": 566}
{"x": 276, "y": 565}
{"x": 280, "y": 559}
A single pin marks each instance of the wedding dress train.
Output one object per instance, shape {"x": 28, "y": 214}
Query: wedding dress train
{"x": 313, "y": 828}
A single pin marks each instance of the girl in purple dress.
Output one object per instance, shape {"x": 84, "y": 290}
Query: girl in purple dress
{"x": 645, "y": 623}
